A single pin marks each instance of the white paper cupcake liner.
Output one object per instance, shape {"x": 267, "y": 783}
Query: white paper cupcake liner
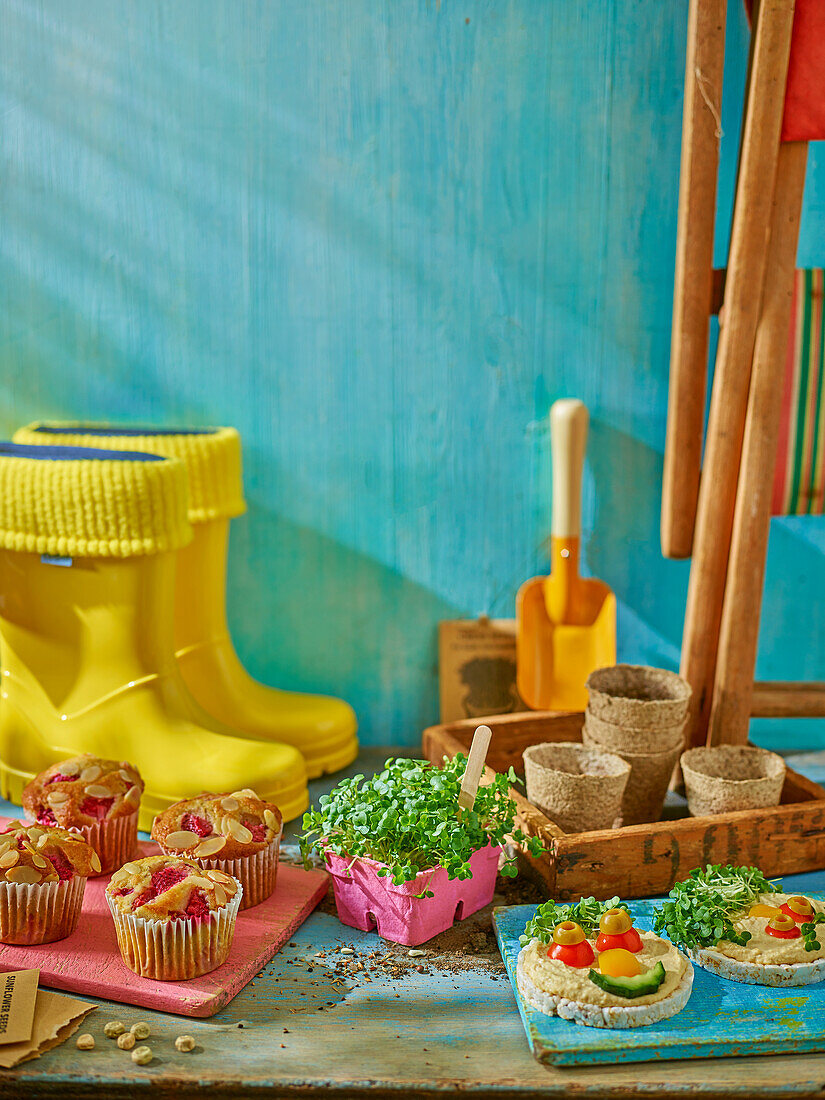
{"x": 256, "y": 873}
{"x": 176, "y": 950}
{"x": 115, "y": 841}
{"x": 41, "y": 912}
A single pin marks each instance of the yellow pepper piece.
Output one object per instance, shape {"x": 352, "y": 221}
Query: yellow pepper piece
{"x": 619, "y": 963}
{"x": 762, "y": 910}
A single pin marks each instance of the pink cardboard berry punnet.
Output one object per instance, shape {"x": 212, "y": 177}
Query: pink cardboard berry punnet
{"x": 366, "y": 901}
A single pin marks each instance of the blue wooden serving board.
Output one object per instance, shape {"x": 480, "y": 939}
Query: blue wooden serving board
{"x": 721, "y": 1019}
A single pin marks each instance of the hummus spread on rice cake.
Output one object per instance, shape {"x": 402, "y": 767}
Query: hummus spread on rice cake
{"x": 764, "y": 949}
{"x": 574, "y": 984}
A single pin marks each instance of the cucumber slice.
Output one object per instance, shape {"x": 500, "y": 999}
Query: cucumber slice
{"x": 641, "y": 985}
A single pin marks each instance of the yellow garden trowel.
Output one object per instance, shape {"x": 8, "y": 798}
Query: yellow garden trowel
{"x": 566, "y": 623}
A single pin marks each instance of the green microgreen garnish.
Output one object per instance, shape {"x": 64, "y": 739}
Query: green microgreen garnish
{"x": 587, "y": 913}
{"x": 406, "y": 817}
{"x": 808, "y": 930}
{"x": 699, "y": 911}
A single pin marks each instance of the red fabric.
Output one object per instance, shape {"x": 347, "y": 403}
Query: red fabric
{"x": 804, "y": 118}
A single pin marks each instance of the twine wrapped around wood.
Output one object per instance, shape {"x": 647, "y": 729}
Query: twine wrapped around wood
{"x": 639, "y": 697}
{"x": 578, "y": 788}
{"x": 731, "y": 777}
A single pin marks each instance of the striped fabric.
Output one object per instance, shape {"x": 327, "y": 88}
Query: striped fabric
{"x": 799, "y": 482}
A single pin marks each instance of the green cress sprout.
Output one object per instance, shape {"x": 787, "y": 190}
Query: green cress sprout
{"x": 587, "y": 913}
{"x": 699, "y": 911}
{"x": 808, "y": 931}
{"x": 407, "y": 818}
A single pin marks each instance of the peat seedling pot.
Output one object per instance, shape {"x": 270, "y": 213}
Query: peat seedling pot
{"x": 372, "y": 903}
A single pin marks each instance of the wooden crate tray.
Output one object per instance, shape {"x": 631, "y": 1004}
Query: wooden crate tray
{"x": 641, "y": 860}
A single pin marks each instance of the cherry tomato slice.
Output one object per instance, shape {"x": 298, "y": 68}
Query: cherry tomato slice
{"x": 799, "y": 918}
{"x": 574, "y": 954}
{"x": 629, "y": 940}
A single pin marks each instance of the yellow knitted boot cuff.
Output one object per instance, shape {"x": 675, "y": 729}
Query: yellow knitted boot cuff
{"x": 212, "y": 457}
{"x": 78, "y": 503}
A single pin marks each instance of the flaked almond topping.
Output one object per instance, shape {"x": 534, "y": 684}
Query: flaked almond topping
{"x": 181, "y": 838}
{"x": 27, "y": 875}
{"x": 39, "y": 861}
{"x": 271, "y": 820}
{"x": 6, "y": 842}
{"x": 57, "y": 798}
{"x": 90, "y": 774}
{"x": 238, "y": 832}
{"x": 95, "y": 862}
{"x": 96, "y": 791}
{"x": 230, "y": 887}
{"x": 133, "y": 795}
{"x": 225, "y": 826}
{"x": 200, "y": 881}
{"x": 71, "y": 772}
{"x": 9, "y": 858}
{"x": 210, "y": 846}
{"x": 220, "y": 895}
{"x": 218, "y": 876}
{"x": 127, "y": 777}
{"x": 35, "y": 835}
{"x": 43, "y": 841}
{"x": 247, "y": 792}
{"x": 229, "y": 803}
{"x": 129, "y": 869}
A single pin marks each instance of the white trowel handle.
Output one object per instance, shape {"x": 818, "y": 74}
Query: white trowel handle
{"x": 568, "y": 442}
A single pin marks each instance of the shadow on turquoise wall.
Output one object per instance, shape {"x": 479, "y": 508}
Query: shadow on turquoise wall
{"x": 380, "y": 239}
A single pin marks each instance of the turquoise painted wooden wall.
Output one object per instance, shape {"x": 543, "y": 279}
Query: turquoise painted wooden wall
{"x": 380, "y": 238}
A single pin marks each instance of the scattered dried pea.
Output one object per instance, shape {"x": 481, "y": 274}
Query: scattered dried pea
{"x": 126, "y": 1041}
{"x": 113, "y": 1028}
{"x": 140, "y": 1030}
{"x": 85, "y": 1042}
{"x": 142, "y": 1055}
{"x": 184, "y": 1043}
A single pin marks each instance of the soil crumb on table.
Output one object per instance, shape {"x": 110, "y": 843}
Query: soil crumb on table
{"x": 468, "y": 945}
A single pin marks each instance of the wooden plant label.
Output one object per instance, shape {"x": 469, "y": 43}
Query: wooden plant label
{"x": 475, "y": 766}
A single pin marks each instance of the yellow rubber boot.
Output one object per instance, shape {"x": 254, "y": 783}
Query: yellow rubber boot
{"x": 322, "y": 728}
{"x": 88, "y": 543}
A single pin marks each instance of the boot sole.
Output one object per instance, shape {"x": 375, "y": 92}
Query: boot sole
{"x": 332, "y": 761}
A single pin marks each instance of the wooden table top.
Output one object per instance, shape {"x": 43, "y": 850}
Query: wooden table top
{"x": 292, "y": 1034}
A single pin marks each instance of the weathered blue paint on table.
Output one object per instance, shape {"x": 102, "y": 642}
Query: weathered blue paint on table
{"x": 428, "y": 1035}
{"x": 722, "y": 1019}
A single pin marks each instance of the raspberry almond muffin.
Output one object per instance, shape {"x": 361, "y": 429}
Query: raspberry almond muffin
{"x": 43, "y": 874}
{"x": 100, "y": 798}
{"x": 173, "y": 920}
{"x": 236, "y": 833}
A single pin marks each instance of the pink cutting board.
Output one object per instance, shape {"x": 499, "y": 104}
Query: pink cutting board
{"x": 89, "y": 962}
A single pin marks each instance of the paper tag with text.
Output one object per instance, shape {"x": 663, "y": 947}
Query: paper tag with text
{"x": 18, "y": 995}
{"x": 477, "y": 668}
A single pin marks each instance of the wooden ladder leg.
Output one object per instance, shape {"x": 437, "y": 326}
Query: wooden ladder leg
{"x": 738, "y": 636}
{"x": 693, "y": 282}
{"x": 726, "y": 422}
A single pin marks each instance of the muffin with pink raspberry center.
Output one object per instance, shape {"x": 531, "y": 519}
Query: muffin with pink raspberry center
{"x": 236, "y": 833}
{"x": 174, "y": 920}
{"x": 43, "y": 874}
{"x": 98, "y": 797}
